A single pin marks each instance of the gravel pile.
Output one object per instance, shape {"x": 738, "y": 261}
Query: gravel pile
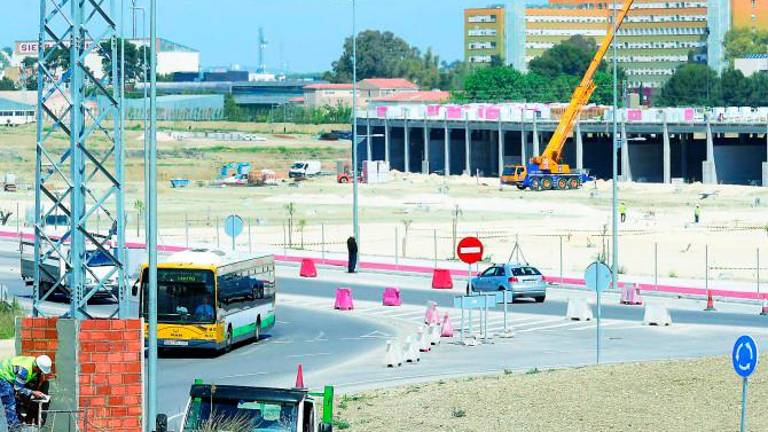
{"x": 685, "y": 396}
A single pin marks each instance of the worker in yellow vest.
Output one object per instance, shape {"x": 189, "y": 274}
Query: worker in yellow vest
{"x": 696, "y": 214}
{"x": 623, "y": 211}
{"x": 15, "y": 374}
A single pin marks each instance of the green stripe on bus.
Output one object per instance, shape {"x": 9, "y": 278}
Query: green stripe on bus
{"x": 268, "y": 321}
{"x": 246, "y": 329}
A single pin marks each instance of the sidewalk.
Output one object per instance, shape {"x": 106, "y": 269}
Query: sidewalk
{"x": 389, "y": 265}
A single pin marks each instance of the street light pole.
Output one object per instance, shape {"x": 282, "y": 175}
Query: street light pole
{"x": 355, "y": 208}
{"x": 151, "y": 191}
{"x": 615, "y": 160}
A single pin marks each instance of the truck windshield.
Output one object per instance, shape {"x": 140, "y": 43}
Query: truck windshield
{"x": 243, "y": 415}
{"x": 298, "y": 166}
{"x": 183, "y": 296}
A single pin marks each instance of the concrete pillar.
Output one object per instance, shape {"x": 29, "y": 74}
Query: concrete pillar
{"x": 467, "y": 141}
{"x": 579, "y": 147}
{"x": 684, "y": 155}
{"x": 406, "y": 151}
{"x": 368, "y": 148}
{"x": 447, "y": 149}
{"x": 765, "y": 164}
{"x": 708, "y": 168}
{"x": 501, "y": 149}
{"x": 425, "y": 162}
{"x": 535, "y": 137}
{"x": 667, "y": 155}
{"x": 523, "y": 145}
{"x": 626, "y": 170}
{"x": 386, "y": 140}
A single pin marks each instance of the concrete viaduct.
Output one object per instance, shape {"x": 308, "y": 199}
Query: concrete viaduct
{"x": 710, "y": 152}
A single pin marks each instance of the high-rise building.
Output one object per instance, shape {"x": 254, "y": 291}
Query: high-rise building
{"x": 750, "y": 14}
{"x": 485, "y": 35}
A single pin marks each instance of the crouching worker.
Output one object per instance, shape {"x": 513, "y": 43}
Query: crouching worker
{"x": 17, "y": 376}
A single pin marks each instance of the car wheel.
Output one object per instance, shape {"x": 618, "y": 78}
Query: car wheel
{"x": 536, "y": 184}
{"x": 540, "y": 299}
{"x": 343, "y": 180}
{"x": 573, "y": 183}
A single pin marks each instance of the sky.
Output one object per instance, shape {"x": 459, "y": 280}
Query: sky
{"x": 303, "y": 35}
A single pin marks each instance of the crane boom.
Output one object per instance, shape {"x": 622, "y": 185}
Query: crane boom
{"x": 553, "y": 152}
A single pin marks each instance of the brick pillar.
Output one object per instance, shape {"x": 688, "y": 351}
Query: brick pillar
{"x": 110, "y": 374}
{"x": 104, "y": 373}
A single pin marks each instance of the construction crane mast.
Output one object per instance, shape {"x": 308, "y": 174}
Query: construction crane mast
{"x": 546, "y": 171}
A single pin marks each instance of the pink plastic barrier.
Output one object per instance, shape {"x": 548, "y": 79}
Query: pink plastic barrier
{"x": 431, "y": 316}
{"x": 441, "y": 279}
{"x": 433, "y": 110}
{"x": 343, "y": 299}
{"x": 492, "y": 113}
{"x": 453, "y": 112}
{"x": 391, "y": 297}
{"x": 308, "y": 269}
{"x": 630, "y": 295}
{"x": 634, "y": 115}
{"x": 381, "y": 111}
{"x": 447, "y": 328}
{"x": 688, "y": 114}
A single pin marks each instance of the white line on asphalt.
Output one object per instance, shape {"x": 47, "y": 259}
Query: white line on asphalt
{"x": 308, "y": 355}
{"x": 565, "y": 324}
{"x": 243, "y": 375}
{"x": 607, "y": 324}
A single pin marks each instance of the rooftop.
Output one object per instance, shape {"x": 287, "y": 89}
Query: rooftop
{"x": 419, "y": 96}
{"x": 10, "y": 105}
{"x": 389, "y": 83}
{"x": 328, "y": 86}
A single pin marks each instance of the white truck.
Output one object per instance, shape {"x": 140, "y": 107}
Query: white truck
{"x": 53, "y": 267}
{"x": 305, "y": 168}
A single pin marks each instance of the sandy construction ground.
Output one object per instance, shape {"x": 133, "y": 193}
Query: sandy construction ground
{"x": 734, "y": 218}
{"x": 700, "y": 395}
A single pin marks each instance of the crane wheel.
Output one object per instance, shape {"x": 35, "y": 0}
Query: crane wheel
{"x": 573, "y": 183}
{"x": 536, "y": 184}
{"x": 546, "y": 183}
{"x": 562, "y": 184}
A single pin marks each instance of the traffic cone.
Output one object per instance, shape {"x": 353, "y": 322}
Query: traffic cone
{"x": 300, "y": 378}
{"x": 447, "y": 329}
{"x": 764, "y": 309}
{"x": 710, "y": 302}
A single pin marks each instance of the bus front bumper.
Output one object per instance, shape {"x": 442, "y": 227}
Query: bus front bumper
{"x": 202, "y": 344}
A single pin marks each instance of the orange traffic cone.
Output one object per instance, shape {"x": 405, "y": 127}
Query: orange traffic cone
{"x": 300, "y": 378}
{"x": 710, "y": 302}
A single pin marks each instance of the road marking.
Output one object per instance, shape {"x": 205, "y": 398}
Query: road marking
{"x": 377, "y": 335}
{"x": 309, "y": 355}
{"x": 565, "y": 324}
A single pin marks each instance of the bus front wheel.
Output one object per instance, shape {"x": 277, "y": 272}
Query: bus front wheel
{"x": 228, "y": 342}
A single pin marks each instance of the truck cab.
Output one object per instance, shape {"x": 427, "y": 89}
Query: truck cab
{"x": 257, "y": 409}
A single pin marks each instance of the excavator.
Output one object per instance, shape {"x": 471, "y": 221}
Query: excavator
{"x": 547, "y": 171}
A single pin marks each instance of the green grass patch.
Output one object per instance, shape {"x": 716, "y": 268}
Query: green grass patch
{"x": 8, "y": 314}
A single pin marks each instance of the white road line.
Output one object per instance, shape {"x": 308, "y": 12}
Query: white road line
{"x": 590, "y": 324}
{"x": 309, "y": 355}
{"x": 605, "y": 324}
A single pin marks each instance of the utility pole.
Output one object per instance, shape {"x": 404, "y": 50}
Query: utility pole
{"x": 615, "y": 158}
{"x": 151, "y": 187}
{"x": 355, "y": 203}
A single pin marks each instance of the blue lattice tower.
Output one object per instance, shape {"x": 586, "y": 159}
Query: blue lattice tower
{"x": 82, "y": 179}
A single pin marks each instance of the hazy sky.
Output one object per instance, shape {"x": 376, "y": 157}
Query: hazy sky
{"x": 305, "y": 35}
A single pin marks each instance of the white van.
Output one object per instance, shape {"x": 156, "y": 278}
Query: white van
{"x": 306, "y": 168}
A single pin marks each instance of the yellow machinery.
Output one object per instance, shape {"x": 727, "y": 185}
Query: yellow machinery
{"x": 546, "y": 171}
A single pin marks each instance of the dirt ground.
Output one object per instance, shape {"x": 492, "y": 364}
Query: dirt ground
{"x": 679, "y": 396}
{"x": 414, "y": 214}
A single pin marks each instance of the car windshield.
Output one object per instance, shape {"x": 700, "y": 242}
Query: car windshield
{"x": 241, "y": 415}
{"x": 183, "y": 296}
{"x": 298, "y": 166}
{"x": 525, "y": 271}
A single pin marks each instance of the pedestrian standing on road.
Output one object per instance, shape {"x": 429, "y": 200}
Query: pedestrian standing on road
{"x": 16, "y": 373}
{"x": 352, "y": 251}
{"x": 696, "y": 214}
{"x": 623, "y": 211}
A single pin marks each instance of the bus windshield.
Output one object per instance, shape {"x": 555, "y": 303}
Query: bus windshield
{"x": 183, "y": 296}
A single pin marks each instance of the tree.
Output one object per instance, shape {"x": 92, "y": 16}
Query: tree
{"x": 570, "y": 57}
{"x": 301, "y": 225}
{"x": 379, "y": 54}
{"x": 758, "y": 89}
{"x": 743, "y": 41}
{"x": 290, "y": 208}
{"x": 134, "y": 60}
{"x": 735, "y": 88}
{"x": 692, "y": 84}
{"x": 29, "y": 73}
{"x": 7, "y": 84}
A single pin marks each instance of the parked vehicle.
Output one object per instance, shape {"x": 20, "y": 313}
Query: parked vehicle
{"x": 257, "y": 409}
{"x": 521, "y": 280}
{"x": 53, "y": 268}
{"x": 305, "y": 168}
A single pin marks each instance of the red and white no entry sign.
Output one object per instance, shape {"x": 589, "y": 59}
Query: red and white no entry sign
{"x": 470, "y": 250}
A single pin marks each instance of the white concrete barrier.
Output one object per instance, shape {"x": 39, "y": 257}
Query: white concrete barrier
{"x": 578, "y": 310}
{"x": 424, "y": 340}
{"x": 434, "y": 334}
{"x": 411, "y": 352}
{"x": 393, "y": 356}
{"x": 657, "y": 315}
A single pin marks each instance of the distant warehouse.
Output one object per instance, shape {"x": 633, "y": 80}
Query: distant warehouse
{"x": 171, "y": 56}
{"x": 13, "y": 113}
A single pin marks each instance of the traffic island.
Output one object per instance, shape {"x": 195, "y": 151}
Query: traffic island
{"x": 97, "y": 376}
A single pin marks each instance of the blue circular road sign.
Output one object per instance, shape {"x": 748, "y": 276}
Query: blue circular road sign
{"x": 233, "y": 225}
{"x": 745, "y": 356}
{"x": 598, "y": 276}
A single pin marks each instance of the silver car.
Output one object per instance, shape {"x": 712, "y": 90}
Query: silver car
{"x": 521, "y": 280}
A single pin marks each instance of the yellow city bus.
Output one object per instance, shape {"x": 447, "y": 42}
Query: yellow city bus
{"x": 210, "y": 299}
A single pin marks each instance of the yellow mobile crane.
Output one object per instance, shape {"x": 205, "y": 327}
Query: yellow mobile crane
{"x": 546, "y": 171}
